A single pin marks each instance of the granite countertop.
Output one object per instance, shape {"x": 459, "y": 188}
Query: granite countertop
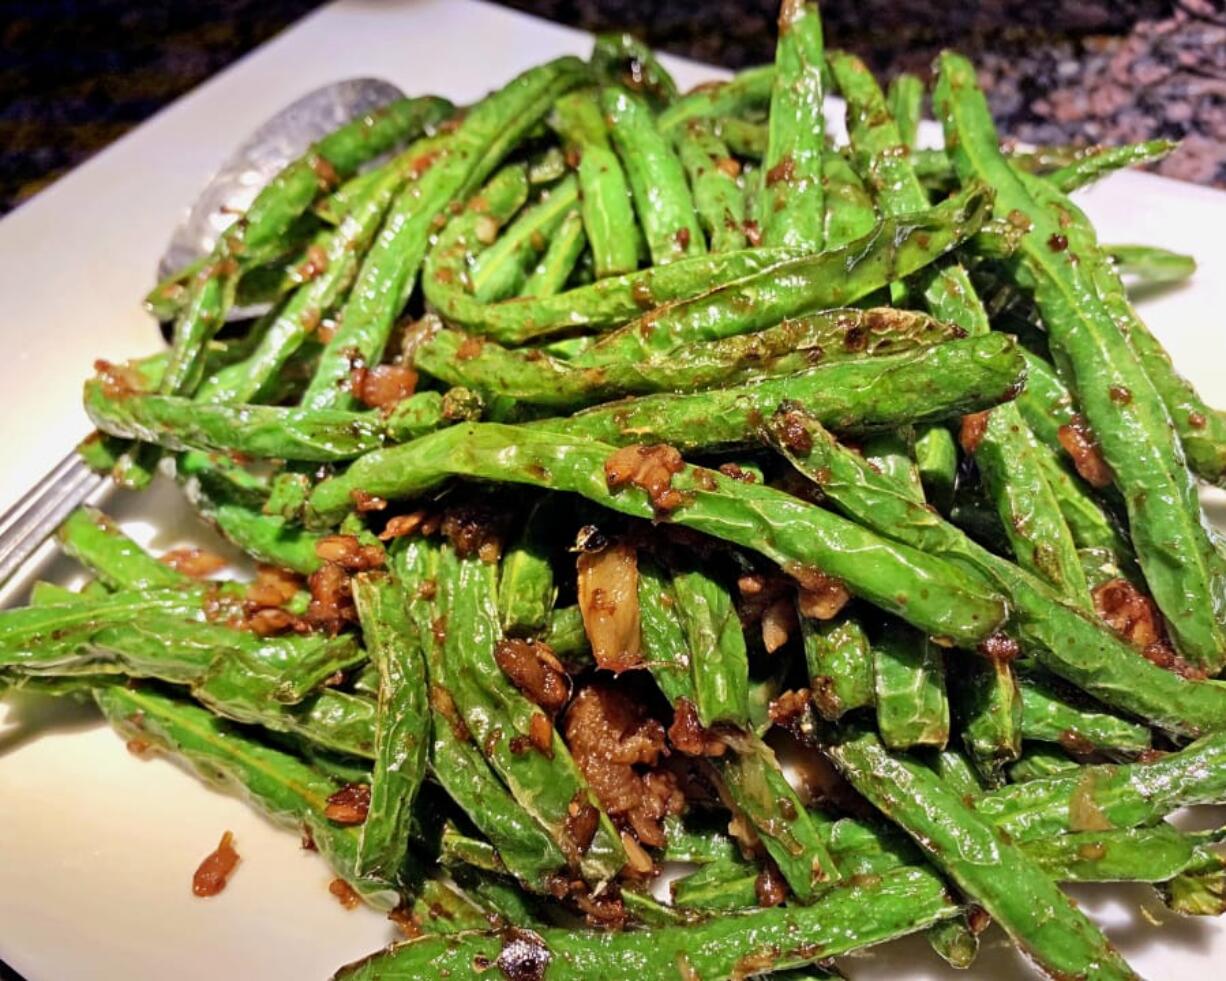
{"x": 74, "y": 76}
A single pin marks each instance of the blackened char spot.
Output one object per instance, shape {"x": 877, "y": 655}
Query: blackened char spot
{"x": 524, "y": 956}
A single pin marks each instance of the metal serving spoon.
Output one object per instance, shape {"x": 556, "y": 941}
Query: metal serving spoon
{"x": 230, "y": 191}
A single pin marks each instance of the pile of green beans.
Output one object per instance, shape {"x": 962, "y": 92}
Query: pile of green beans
{"x": 606, "y": 447}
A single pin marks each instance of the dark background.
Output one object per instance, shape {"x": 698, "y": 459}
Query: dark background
{"x": 76, "y": 74}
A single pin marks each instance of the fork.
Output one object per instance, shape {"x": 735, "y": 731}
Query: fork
{"x": 29, "y": 522}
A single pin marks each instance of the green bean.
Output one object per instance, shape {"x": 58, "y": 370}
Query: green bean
{"x": 531, "y": 377}
{"x": 95, "y": 541}
{"x": 1099, "y": 565}
{"x": 697, "y": 650}
{"x": 652, "y": 913}
{"x": 718, "y": 196}
{"x": 1201, "y": 428}
{"x": 565, "y": 634}
{"x": 1045, "y": 403}
{"x": 663, "y": 637}
{"x": 337, "y": 267}
{"x": 1049, "y": 717}
{"x": 497, "y": 897}
{"x": 912, "y": 707}
{"x": 907, "y": 673}
{"x": 402, "y": 728}
{"x": 904, "y": 100}
{"x": 472, "y": 231}
{"x": 747, "y": 89}
{"x": 266, "y": 284}
{"x": 1010, "y": 461}
{"x": 287, "y": 494}
{"x": 1141, "y": 854}
{"x": 334, "y": 208}
{"x": 657, "y": 181}
{"x": 457, "y": 849}
{"x": 791, "y": 208}
{"x": 501, "y": 270}
{"x": 257, "y": 430}
{"x": 285, "y": 789}
{"x": 954, "y": 941}
{"x": 166, "y": 299}
{"x": 1006, "y": 452}
{"x": 271, "y": 432}
{"x": 994, "y": 872}
{"x": 936, "y": 170}
{"x": 101, "y": 453}
{"x": 606, "y": 303}
{"x": 744, "y": 138}
{"x": 333, "y": 720}
{"x": 266, "y": 538}
{"x": 1149, "y": 264}
{"x": 1101, "y": 161}
{"x": 608, "y": 211}
{"x": 991, "y": 709}
{"x": 556, "y": 265}
{"x": 896, "y": 248}
{"x": 486, "y": 134}
{"x": 847, "y": 917}
{"x": 931, "y": 595}
{"x": 341, "y": 768}
{"x": 219, "y": 662}
{"x": 848, "y": 207}
{"x": 719, "y": 660}
{"x": 424, "y": 412}
{"x": 546, "y": 784}
{"x": 1092, "y": 525}
{"x": 61, "y": 635}
{"x": 795, "y": 839}
{"x": 439, "y": 907}
{"x": 1120, "y": 401}
{"x": 259, "y": 233}
{"x": 456, "y": 762}
{"x": 621, "y": 58}
{"x": 44, "y": 593}
{"x": 890, "y": 453}
{"x": 549, "y": 165}
{"x": 137, "y": 467}
{"x": 329, "y": 718}
{"x": 526, "y": 588}
{"x": 936, "y": 462}
{"x": 1040, "y": 761}
{"x": 1096, "y": 798}
{"x": 956, "y": 772}
{"x": 726, "y": 884}
{"x": 698, "y": 844}
{"x": 839, "y": 662}
{"x": 1199, "y": 890}
{"x": 1065, "y": 639}
{"x": 853, "y": 396}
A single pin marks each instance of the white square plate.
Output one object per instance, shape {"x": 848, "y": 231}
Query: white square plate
{"x": 97, "y": 848}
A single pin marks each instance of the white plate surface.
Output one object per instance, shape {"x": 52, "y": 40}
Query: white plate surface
{"x": 97, "y": 847}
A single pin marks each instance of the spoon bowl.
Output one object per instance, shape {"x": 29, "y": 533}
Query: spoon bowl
{"x": 281, "y": 139}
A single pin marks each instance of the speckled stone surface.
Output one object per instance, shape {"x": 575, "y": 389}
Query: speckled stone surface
{"x": 1086, "y": 71}
{"x": 77, "y": 74}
